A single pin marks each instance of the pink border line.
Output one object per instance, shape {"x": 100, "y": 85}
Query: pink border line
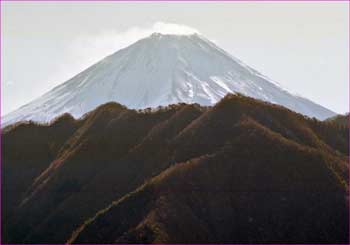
{"x": 0, "y": 123}
{"x": 348, "y": 110}
{"x": 165, "y": 1}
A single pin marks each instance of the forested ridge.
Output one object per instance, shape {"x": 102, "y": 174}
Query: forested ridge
{"x": 242, "y": 171}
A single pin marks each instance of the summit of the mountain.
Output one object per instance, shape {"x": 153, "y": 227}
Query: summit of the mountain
{"x": 159, "y": 70}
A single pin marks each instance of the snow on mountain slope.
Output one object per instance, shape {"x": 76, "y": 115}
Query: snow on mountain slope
{"x": 161, "y": 70}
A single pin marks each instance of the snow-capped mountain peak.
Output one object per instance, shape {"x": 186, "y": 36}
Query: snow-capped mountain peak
{"x": 161, "y": 69}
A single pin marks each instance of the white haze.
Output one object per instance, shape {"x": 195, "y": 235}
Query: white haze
{"x": 91, "y": 49}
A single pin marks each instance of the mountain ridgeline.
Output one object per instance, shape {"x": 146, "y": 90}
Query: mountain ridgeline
{"x": 342, "y": 120}
{"x": 242, "y": 171}
{"x": 158, "y": 71}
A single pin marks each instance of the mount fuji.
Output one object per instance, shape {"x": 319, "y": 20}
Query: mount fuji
{"x": 161, "y": 69}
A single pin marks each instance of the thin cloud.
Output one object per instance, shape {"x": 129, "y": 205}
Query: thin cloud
{"x": 87, "y": 50}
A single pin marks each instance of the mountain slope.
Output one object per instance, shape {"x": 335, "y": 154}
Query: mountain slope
{"x": 161, "y": 70}
{"x": 240, "y": 144}
{"x": 341, "y": 120}
{"x": 217, "y": 198}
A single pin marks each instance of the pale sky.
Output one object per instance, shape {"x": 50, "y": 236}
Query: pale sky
{"x": 302, "y": 46}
